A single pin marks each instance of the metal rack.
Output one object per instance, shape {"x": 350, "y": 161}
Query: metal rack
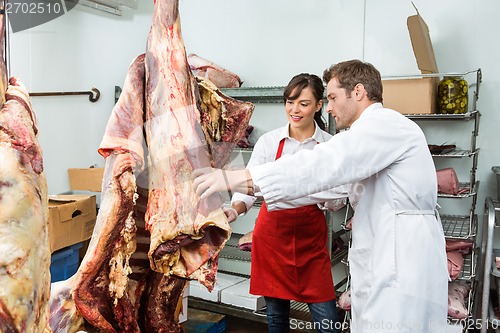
{"x": 485, "y": 307}
{"x": 464, "y": 227}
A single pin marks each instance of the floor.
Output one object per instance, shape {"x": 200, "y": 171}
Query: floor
{"x": 234, "y": 324}
{"x": 239, "y": 325}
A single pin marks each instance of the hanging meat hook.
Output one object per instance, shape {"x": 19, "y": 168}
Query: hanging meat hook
{"x": 94, "y": 93}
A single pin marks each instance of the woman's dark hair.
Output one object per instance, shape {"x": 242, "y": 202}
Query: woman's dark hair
{"x": 350, "y": 73}
{"x": 300, "y": 82}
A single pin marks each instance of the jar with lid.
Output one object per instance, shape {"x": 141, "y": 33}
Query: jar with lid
{"x": 453, "y": 95}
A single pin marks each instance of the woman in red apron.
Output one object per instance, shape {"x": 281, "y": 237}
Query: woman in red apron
{"x": 290, "y": 259}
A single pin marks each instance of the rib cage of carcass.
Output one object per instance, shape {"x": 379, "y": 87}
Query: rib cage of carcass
{"x": 149, "y": 240}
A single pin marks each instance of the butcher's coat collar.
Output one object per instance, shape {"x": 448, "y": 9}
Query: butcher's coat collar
{"x": 371, "y": 108}
{"x": 368, "y": 110}
{"x": 317, "y": 136}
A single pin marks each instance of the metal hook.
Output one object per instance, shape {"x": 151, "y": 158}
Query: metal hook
{"x": 94, "y": 94}
{"x": 94, "y": 98}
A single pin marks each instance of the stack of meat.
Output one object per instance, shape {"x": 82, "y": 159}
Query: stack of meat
{"x": 153, "y": 233}
{"x": 457, "y": 290}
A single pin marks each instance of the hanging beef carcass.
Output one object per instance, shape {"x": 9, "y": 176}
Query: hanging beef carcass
{"x": 186, "y": 233}
{"x": 187, "y": 126}
{"x": 114, "y": 286}
{"x": 102, "y": 292}
{"x": 24, "y": 246}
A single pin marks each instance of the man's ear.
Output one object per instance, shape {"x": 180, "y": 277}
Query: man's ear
{"x": 359, "y": 92}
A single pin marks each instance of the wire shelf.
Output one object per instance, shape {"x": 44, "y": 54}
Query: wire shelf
{"x": 458, "y": 153}
{"x": 458, "y": 227}
{"x": 436, "y": 116}
{"x": 469, "y": 267}
{"x": 231, "y": 250}
{"x": 462, "y": 186}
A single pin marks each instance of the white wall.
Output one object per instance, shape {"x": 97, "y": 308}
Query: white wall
{"x": 265, "y": 42}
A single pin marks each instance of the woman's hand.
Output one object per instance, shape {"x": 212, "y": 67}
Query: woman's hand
{"x": 209, "y": 180}
{"x": 231, "y": 214}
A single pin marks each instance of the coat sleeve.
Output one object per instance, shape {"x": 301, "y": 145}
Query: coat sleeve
{"x": 373, "y": 143}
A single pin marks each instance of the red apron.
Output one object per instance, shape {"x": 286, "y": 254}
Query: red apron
{"x": 290, "y": 258}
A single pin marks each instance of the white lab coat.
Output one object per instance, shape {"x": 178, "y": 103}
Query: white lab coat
{"x": 398, "y": 265}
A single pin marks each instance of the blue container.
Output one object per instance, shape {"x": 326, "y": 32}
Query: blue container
{"x": 64, "y": 262}
{"x": 200, "y": 321}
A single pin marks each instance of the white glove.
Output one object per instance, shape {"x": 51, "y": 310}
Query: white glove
{"x": 207, "y": 181}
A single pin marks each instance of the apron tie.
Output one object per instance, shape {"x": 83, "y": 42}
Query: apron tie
{"x": 420, "y": 212}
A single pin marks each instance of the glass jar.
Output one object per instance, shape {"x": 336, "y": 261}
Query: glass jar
{"x": 453, "y": 95}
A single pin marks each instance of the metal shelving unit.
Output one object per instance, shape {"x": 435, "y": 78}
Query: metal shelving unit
{"x": 464, "y": 228}
{"x": 485, "y": 308}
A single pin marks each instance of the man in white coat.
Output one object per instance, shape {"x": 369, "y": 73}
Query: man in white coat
{"x": 397, "y": 261}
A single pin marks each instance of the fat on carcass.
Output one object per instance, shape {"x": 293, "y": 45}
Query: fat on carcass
{"x": 24, "y": 246}
{"x": 221, "y": 77}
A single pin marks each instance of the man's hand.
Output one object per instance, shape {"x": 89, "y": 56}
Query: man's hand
{"x": 209, "y": 180}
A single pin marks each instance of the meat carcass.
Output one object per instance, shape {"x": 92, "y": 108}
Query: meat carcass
{"x": 3, "y": 67}
{"x": 115, "y": 289}
{"x": 186, "y": 233}
{"x": 24, "y": 246}
{"x": 102, "y": 290}
{"x": 221, "y": 77}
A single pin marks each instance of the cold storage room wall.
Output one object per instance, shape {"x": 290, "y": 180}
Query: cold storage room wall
{"x": 265, "y": 42}
{"x": 75, "y": 52}
{"x": 461, "y": 32}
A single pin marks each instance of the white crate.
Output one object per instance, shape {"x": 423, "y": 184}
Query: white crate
{"x": 239, "y": 295}
{"x": 183, "y": 314}
{"x": 223, "y": 281}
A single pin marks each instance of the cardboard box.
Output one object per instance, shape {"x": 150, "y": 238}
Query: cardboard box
{"x": 411, "y": 96}
{"x": 239, "y": 295}
{"x": 89, "y": 179}
{"x": 415, "y": 95}
{"x": 223, "y": 281}
{"x": 71, "y": 219}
